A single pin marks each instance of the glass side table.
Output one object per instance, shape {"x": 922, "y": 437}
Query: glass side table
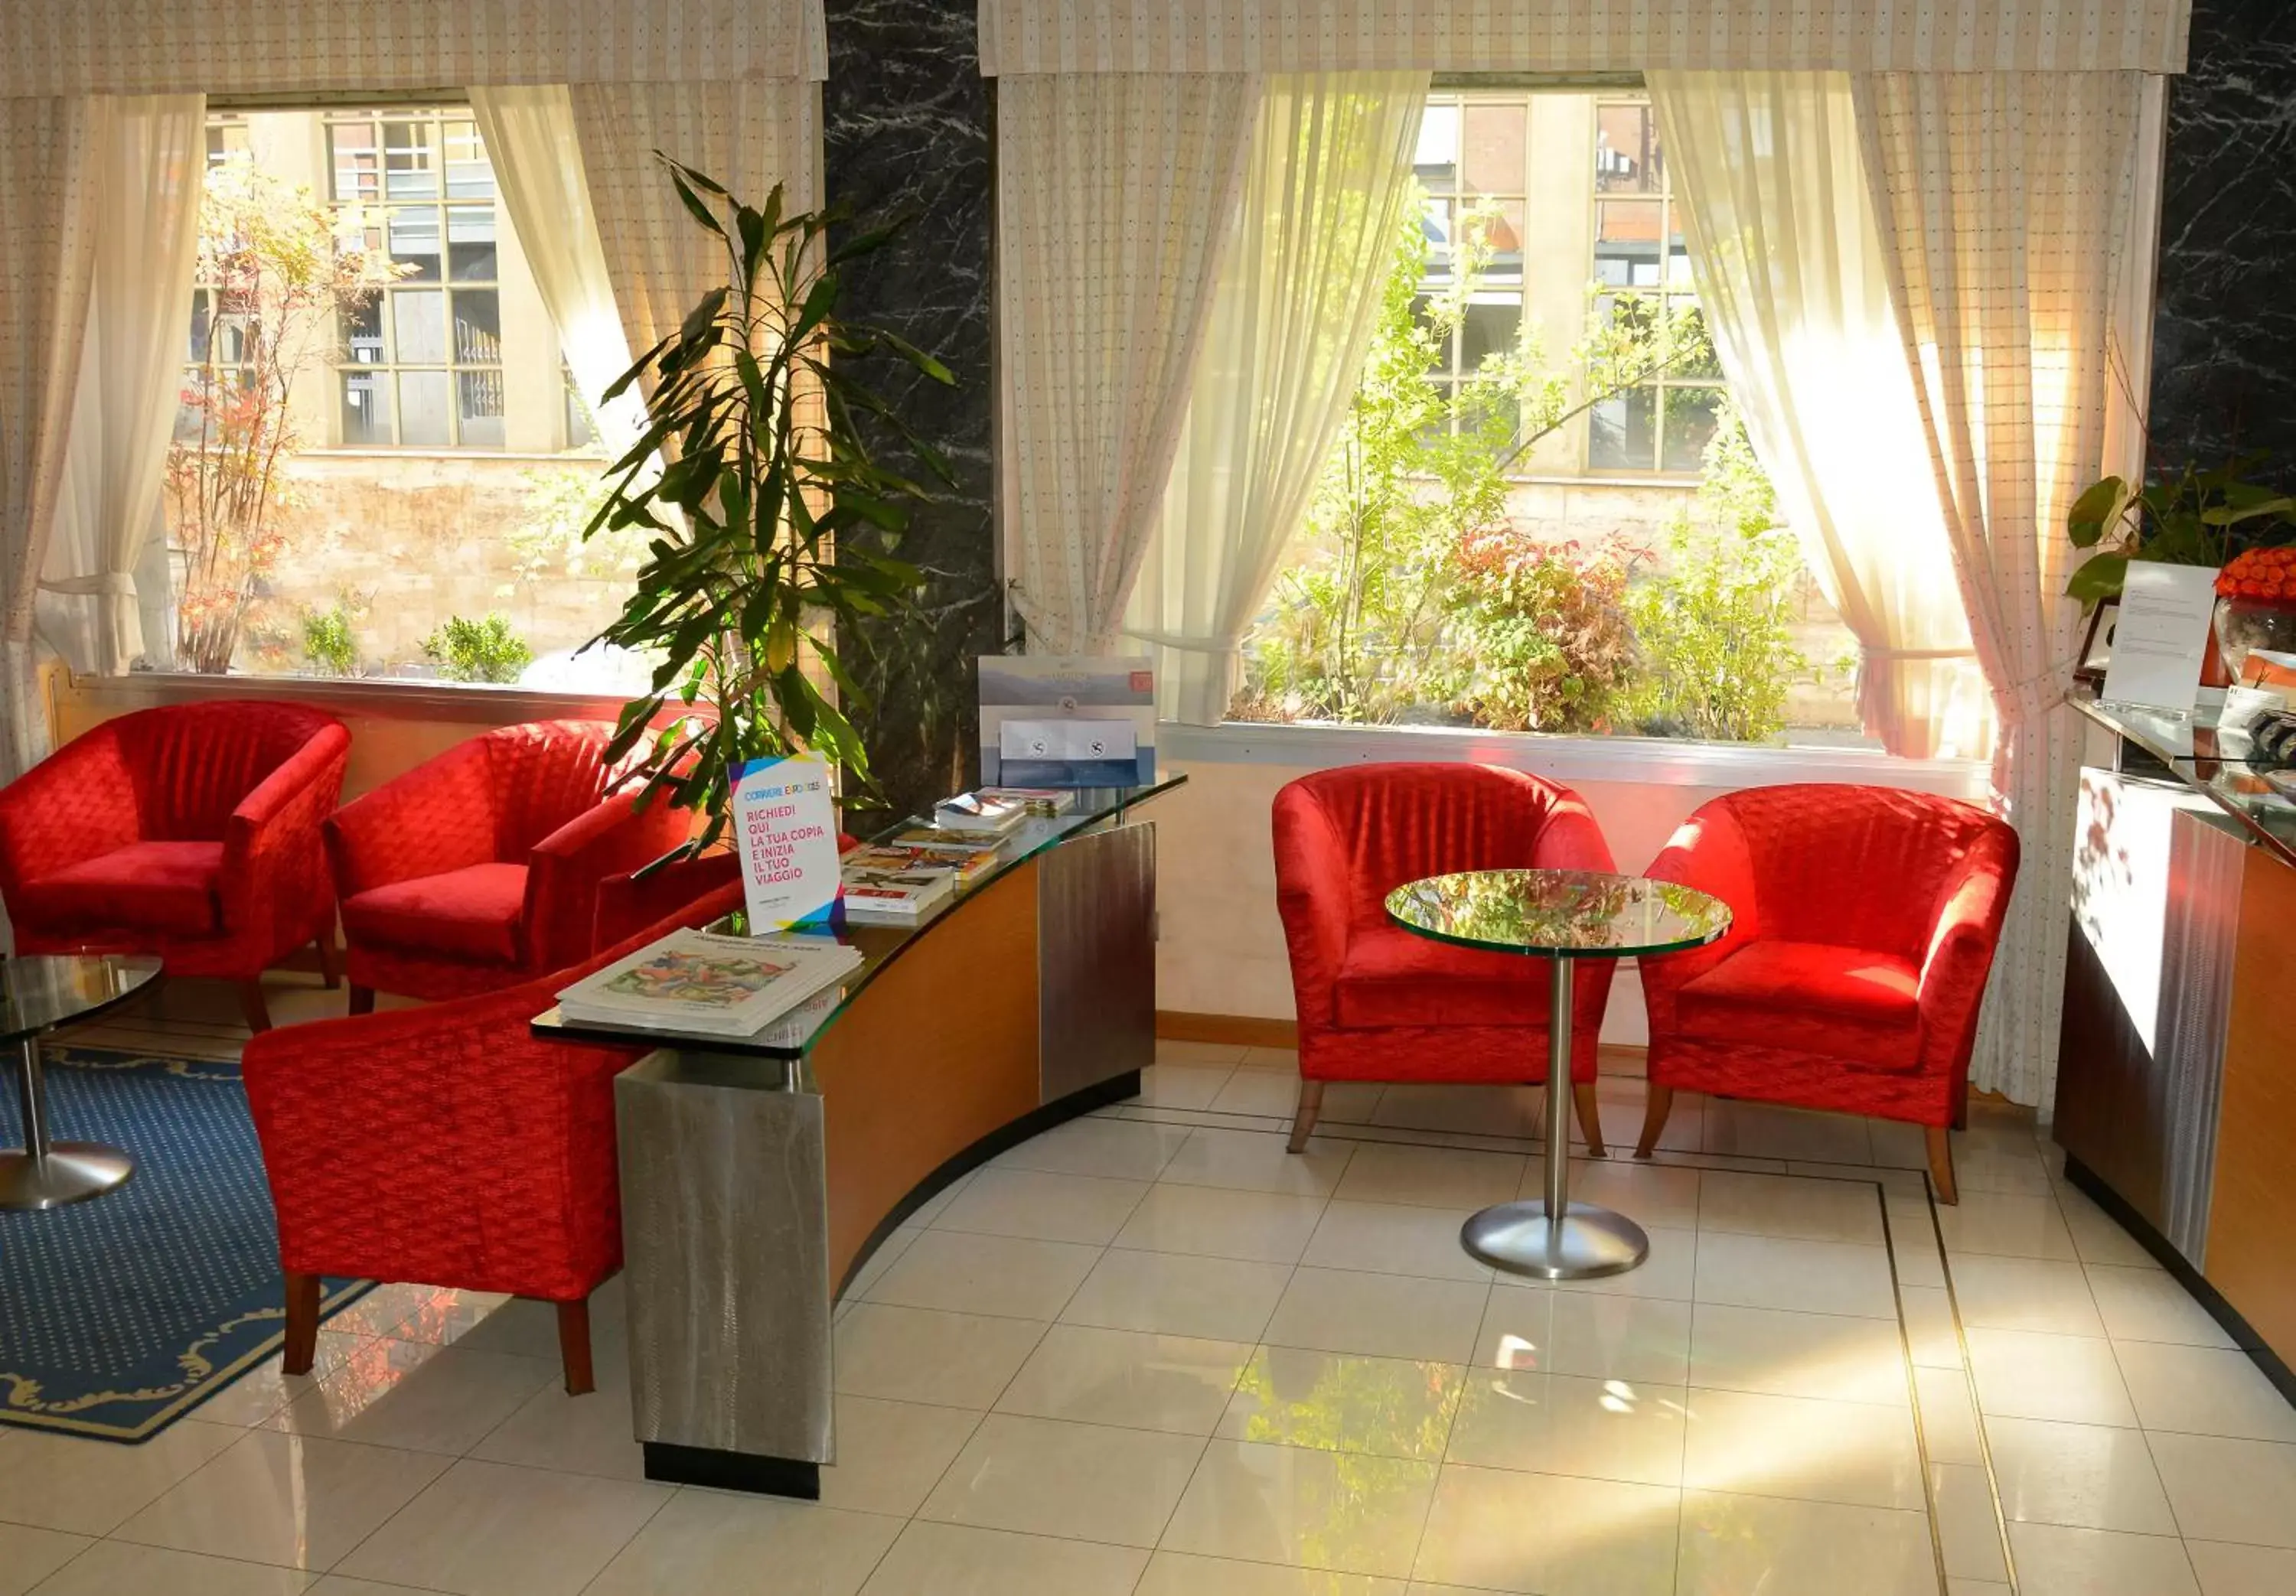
{"x": 1562, "y": 916}
{"x": 39, "y": 992}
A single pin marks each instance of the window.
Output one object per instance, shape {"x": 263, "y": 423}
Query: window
{"x": 1541, "y": 514}
{"x": 1643, "y": 265}
{"x": 421, "y": 362}
{"x": 370, "y": 451}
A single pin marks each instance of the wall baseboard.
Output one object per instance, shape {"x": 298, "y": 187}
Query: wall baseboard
{"x": 1237, "y": 1030}
{"x": 1254, "y": 1030}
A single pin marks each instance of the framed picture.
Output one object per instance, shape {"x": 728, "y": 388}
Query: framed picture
{"x": 2097, "y": 643}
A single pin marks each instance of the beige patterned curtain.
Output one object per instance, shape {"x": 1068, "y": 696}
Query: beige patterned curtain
{"x": 49, "y": 192}
{"x": 1796, "y": 292}
{"x": 303, "y": 46}
{"x": 1557, "y": 35}
{"x": 1298, "y": 294}
{"x": 2006, "y": 203}
{"x": 1114, "y": 193}
{"x": 748, "y": 136}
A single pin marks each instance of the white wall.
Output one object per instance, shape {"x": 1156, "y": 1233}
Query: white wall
{"x": 1220, "y": 947}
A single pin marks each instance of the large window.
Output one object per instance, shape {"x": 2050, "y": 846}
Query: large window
{"x": 383, "y": 467}
{"x": 422, "y": 359}
{"x": 1542, "y": 512}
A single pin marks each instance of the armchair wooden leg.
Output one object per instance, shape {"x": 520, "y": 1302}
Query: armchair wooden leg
{"x": 574, "y": 1346}
{"x": 1303, "y": 1123}
{"x": 302, "y": 1343}
{"x": 252, "y": 1006}
{"x": 1660, "y": 1105}
{"x": 1940, "y": 1141}
{"x": 331, "y": 959}
{"x": 1590, "y": 1117}
{"x": 362, "y": 999}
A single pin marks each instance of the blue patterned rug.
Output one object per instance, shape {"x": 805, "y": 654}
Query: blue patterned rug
{"x": 121, "y": 1314}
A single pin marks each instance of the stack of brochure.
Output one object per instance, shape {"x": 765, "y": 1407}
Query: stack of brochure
{"x": 997, "y": 810}
{"x": 895, "y": 894}
{"x": 705, "y": 984}
{"x": 966, "y": 864}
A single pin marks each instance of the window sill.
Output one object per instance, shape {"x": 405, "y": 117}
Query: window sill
{"x": 1655, "y": 761}
{"x": 478, "y": 702}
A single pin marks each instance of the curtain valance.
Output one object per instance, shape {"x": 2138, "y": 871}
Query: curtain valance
{"x": 282, "y": 46}
{"x": 1561, "y": 35}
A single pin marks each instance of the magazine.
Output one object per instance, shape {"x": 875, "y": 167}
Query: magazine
{"x": 708, "y": 985}
{"x": 979, "y": 812}
{"x": 924, "y": 836}
{"x": 1041, "y": 803}
{"x": 967, "y": 864}
{"x": 900, "y": 895}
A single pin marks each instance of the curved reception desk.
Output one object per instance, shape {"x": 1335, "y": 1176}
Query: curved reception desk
{"x": 758, "y": 1176}
{"x": 2175, "y": 1098}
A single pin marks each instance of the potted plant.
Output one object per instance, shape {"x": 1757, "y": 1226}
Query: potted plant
{"x": 771, "y": 517}
{"x": 2216, "y": 518}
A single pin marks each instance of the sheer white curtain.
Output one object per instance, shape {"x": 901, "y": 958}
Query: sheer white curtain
{"x": 1114, "y": 194}
{"x": 1297, "y": 292}
{"x": 2007, "y": 205}
{"x": 49, "y": 184}
{"x": 108, "y": 509}
{"x": 529, "y": 135}
{"x": 1791, "y": 274}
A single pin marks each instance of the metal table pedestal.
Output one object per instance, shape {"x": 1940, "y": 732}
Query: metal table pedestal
{"x": 1556, "y": 1240}
{"x": 48, "y": 1174}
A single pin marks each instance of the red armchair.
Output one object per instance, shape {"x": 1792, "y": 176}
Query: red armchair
{"x": 1377, "y": 1003}
{"x": 191, "y": 831}
{"x": 449, "y": 1145}
{"x": 1864, "y": 924}
{"x": 479, "y": 869}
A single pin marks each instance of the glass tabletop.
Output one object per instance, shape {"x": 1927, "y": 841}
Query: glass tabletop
{"x": 1585, "y": 914}
{"x": 39, "y": 992}
{"x": 792, "y": 1034}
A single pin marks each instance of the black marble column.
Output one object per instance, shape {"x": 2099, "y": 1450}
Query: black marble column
{"x": 2224, "y": 341}
{"x": 907, "y": 130}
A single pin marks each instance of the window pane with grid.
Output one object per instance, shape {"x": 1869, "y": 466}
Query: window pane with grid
{"x": 422, "y": 368}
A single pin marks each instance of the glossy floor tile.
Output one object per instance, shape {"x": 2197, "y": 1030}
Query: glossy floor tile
{"x": 1152, "y": 1353}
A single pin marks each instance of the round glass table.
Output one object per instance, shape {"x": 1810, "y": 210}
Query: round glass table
{"x": 1562, "y": 916}
{"x": 37, "y": 994}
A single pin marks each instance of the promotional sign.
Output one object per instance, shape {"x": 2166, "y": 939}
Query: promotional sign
{"x": 1054, "y": 720}
{"x": 785, "y": 830}
{"x": 2162, "y": 636}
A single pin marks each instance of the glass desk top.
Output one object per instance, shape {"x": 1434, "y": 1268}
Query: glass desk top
{"x": 792, "y": 1034}
{"x": 2219, "y": 761}
{"x": 39, "y": 992}
{"x": 1582, "y": 913}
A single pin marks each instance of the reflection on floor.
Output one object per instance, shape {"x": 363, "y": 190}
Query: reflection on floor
{"x": 1149, "y": 1353}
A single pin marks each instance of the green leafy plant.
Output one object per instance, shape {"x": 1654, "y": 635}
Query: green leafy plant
{"x": 2192, "y": 517}
{"x": 330, "y": 642}
{"x": 1419, "y": 598}
{"x": 1718, "y": 649}
{"x": 478, "y": 650}
{"x": 771, "y": 518}
{"x": 1540, "y": 639}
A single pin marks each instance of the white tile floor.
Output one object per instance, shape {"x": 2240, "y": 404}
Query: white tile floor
{"x": 1150, "y": 1353}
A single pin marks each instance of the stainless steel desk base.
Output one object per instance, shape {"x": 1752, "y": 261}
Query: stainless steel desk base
{"x": 1517, "y": 1236}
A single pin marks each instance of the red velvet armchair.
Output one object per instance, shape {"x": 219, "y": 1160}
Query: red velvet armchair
{"x": 1863, "y": 921}
{"x": 1377, "y": 1003}
{"x": 451, "y": 1146}
{"x": 191, "y": 831}
{"x": 479, "y": 869}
